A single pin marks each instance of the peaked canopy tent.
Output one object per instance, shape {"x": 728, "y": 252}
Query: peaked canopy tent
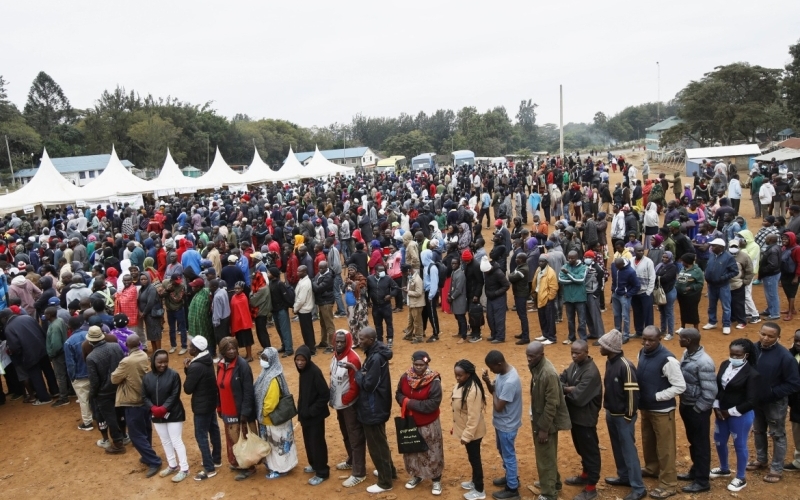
{"x": 115, "y": 180}
{"x": 319, "y": 166}
{"x": 259, "y": 172}
{"x": 46, "y": 187}
{"x": 219, "y": 174}
{"x": 292, "y": 168}
{"x": 171, "y": 180}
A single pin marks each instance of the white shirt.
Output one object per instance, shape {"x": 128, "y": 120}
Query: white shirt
{"x": 765, "y": 193}
{"x": 734, "y": 189}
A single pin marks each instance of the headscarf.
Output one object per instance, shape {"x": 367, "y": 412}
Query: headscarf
{"x": 418, "y": 381}
{"x": 298, "y": 240}
{"x": 657, "y": 240}
{"x": 261, "y": 385}
{"x": 669, "y": 256}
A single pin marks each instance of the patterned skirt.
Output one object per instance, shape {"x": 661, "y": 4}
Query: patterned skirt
{"x": 283, "y": 453}
{"x": 429, "y": 464}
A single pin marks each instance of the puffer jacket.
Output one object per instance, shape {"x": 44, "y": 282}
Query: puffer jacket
{"x": 201, "y": 384}
{"x": 163, "y": 389}
{"x": 701, "y": 380}
{"x": 322, "y": 286}
{"x": 496, "y": 284}
{"x": 375, "y": 386}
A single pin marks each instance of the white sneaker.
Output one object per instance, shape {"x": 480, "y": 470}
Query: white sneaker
{"x": 353, "y": 481}
{"x": 709, "y": 326}
{"x": 547, "y": 342}
{"x": 678, "y": 331}
{"x": 474, "y": 495}
{"x": 376, "y": 489}
{"x": 437, "y": 488}
{"x": 468, "y": 485}
{"x": 737, "y": 484}
{"x": 182, "y": 352}
{"x": 172, "y": 350}
{"x": 103, "y": 443}
{"x": 726, "y": 330}
{"x": 538, "y": 339}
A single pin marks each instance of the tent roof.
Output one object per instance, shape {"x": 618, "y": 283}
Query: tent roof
{"x": 47, "y": 187}
{"x": 319, "y": 166}
{"x": 664, "y": 124}
{"x": 75, "y": 164}
{"x": 719, "y": 151}
{"x": 333, "y": 153}
{"x": 219, "y": 174}
{"x": 115, "y": 180}
{"x": 291, "y": 168}
{"x": 780, "y": 155}
{"x": 258, "y": 171}
{"x": 171, "y": 177}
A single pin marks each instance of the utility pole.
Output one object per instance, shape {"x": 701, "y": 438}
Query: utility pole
{"x": 10, "y": 164}
{"x": 561, "y": 119}
{"x": 208, "y": 153}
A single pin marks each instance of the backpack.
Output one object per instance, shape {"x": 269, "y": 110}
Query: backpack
{"x": 442, "y": 272}
{"x": 288, "y": 293}
{"x": 788, "y": 264}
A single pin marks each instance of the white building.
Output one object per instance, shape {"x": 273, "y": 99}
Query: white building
{"x": 79, "y": 170}
{"x": 350, "y": 157}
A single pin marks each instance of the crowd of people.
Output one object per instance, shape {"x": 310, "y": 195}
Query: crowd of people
{"x": 87, "y": 292}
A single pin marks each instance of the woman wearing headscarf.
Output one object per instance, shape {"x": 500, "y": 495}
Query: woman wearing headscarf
{"x": 236, "y": 405}
{"x": 650, "y": 223}
{"x": 241, "y": 321}
{"x": 450, "y": 256}
{"x": 269, "y": 387}
{"x": 149, "y": 304}
{"x": 419, "y": 394}
{"x": 356, "y": 299}
{"x": 126, "y": 302}
{"x": 111, "y": 276}
{"x": 666, "y": 275}
{"x": 469, "y": 402}
{"x": 261, "y": 308}
{"x": 161, "y": 394}
{"x": 149, "y": 266}
{"x": 656, "y": 250}
{"x": 312, "y": 410}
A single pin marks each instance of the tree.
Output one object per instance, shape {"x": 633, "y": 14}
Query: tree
{"x": 153, "y": 135}
{"x": 47, "y": 106}
{"x": 791, "y": 84}
{"x": 409, "y": 145}
{"x": 22, "y": 139}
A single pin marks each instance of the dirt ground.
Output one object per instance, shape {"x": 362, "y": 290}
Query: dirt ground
{"x": 45, "y": 456}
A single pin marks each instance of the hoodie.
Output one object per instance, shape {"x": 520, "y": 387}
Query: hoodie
{"x": 430, "y": 274}
{"x": 790, "y": 251}
{"x": 374, "y": 404}
{"x": 624, "y": 281}
{"x": 751, "y": 248}
{"x": 344, "y": 390}
{"x": 314, "y": 394}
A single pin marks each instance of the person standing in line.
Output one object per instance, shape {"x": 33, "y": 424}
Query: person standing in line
{"x": 416, "y": 303}
{"x": 312, "y": 410}
{"x": 78, "y": 373}
{"x": 769, "y": 272}
{"x": 344, "y": 395}
{"x": 794, "y": 413}
{"x": 381, "y": 289}
{"x": 583, "y": 393}
{"x": 779, "y": 380}
{"x": 721, "y": 267}
{"x": 521, "y": 290}
{"x": 200, "y": 383}
{"x": 739, "y": 283}
{"x": 660, "y": 381}
{"x": 430, "y": 280}
{"x": 457, "y": 297}
{"x": 469, "y": 401}
{"x": 697, "y": 400}
{"x": 279, "y": 295}
{"x": 101, "y": 363}
{"x": 242, "y": 320}
{"x": 496, "y": 286}
{"x": 506, "y": 393}
{"x": 375, "y": 405}
{"x": 304, "y": 308}
{"x": 642, "y": 300}
{"x": 322, "y": 286}
{"x": 545, "y": 293}
{"x": 269, "y": 387}
{"x": 624, "y": 285}
{"x": 548, "y": 416}
{"x": 621, "y": 401}
{"x": 572, "y": 279}
{"x": 54, "y": 344}
{"x": 220, "y": 311}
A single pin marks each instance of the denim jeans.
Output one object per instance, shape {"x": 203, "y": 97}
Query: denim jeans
{"x": 205, "y": 427}
{"x": 284, "y": 327}
{"x": 772, "y": 417}
{"x": 177, "y": 319}
{"x": 667, "y": 312}
{"x": 771, "y": 292}
{"x": 622, "y": 314}
{"x": 739, "y": 428}
{"x": 337, "y": 294}
{"x": 573, "y": 309}
{"x": 140, "y": 431}
{"x": 626, "y": 456}
{"x": 723, "y": 295}
{"x": 642, "y": 307}
{"x": 505, "y": 445}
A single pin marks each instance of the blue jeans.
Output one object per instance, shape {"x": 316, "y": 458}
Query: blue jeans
{"x": 769, "y": 420}
{"x": 177, "y": 318}
{"x": 505, "y": 445}
{"x": 642, "y": 306}
{"x": 667, "y": 312}
{"x": 284, "y": 328}
{"x": 622, "y": 313}
{"x": 739, "y": 427}
{"x": 337, "y": 294}
{"x": 723, "y": 295}
{"x": 771, "y": 292}
{"x": 626, "y": 455}
{"x": 140, "y": 431}
{"x": 205, "y": 427}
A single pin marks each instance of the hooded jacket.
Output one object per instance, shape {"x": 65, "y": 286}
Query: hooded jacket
{"x": 793, "y": 253}
{"x": 375, "y": 386}
{"x": 412, "y": 250}
{"x": 163, "y": 389}
{"x": 344, "y": 389}
{"x": 496, "y": 284}
{"x": 201, "y": 384}
{"x": 751, "y": 248}
{"x": 314, "y": 393}
{"x": 26, "y": 291}
{"x": 624, "y": 281}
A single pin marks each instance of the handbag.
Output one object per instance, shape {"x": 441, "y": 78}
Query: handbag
{"x": 409, "y": 439}
{"x": 659, "y": 296}
{"x": 285, "y": 411}
{"x": 157, "y": 312}
{"x": 250, "y": 450}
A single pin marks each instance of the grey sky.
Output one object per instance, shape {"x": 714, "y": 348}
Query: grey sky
{"x": 318, "y": 62}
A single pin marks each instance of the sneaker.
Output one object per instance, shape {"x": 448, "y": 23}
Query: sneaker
{"x": 389, "y": 345}
{"x": 434, "y": 338}
{"x": 180, "y": 476}
{"x": 737, "y": 484}
{"x": 726, "y": 330}
{"x": 468, "y": 485}
{"x": 353, "y": 481}
{"x": 540, "y": 338}
{"x": 308, "y": 469}
{"x": 437, "y": 488}
{"x": 217, "y": 465}
{"x": 151, "y": 471}
{"x": 316, "y": 480}
{"x": 103, "y": 443}
{"x": 474, "y": 495}
{"x": 172, "y": 350}
{"x": 413, "y": 482}
{"x": 376, "y": 489}
{"x": 85, "y": 427}
{"x": 567, "y": 342}
{"x": 15, "y": 397}
{"x": 203, "y": 475}
{"x": 668, "y": 336}
{"x": 60, "y": 402}
{"x": 740, "y": 326}
{"x": 709, "y": 326}
{"x": 182, "y": 351}
{"x": 41, "y": 403}
{"x": 168, "y": 471}
{"x": 498, "y": 341}
{"x": 754, "y": 320}
{"x": 126, "y": 440}
{"x": 678, "y": 331}
{"x": 717, "y": 472}
{"x": 473, "y": 340}
{"x": 547, "y": 342}
{"x": 343, "y": 466}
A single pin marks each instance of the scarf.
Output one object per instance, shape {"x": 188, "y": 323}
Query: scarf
{"x": 261, "y": 385}
{"x": 417, "y": 381}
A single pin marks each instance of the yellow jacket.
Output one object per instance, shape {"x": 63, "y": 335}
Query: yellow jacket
{"x": 468, "y": 421}
{"x": 549, "y": 286}
{"x": 271, "y": 400}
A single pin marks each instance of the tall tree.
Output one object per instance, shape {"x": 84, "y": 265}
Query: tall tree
{"x": 791, "y": 84}
{"x": 22, "y": 139}
{"x": 152, "y": 135}
{"x": 47, "y": 105}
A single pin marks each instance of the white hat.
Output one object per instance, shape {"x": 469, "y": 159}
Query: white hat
{"x": 200, "y": 342}
{"x": 718, "y": 241}
{"x": 485, "y": 265}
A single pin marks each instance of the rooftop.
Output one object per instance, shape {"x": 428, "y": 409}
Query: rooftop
{"x": 722, "y": 151}
{"x": 74, "y": 164}
{"x": 664, "y": 125}
{"x": 780, "y": 155}
{"x": 792, "y": 142}
{"x": 331, "y": 154}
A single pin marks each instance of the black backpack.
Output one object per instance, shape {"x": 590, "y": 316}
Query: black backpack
{"x": 288, "y": 293}
{"x": 442, "y": 272}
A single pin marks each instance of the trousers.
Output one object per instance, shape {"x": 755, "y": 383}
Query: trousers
{"x": 171, "y": 438}
{"x": 60, "y": 369}
{"x": 326, "y": 326}
{"x": 496, "y": 317}
{"x": 474, "y": 457}
{"x": 284, "y": 327}
{"x": 521, "y": 304}
{"x": 378, "y": 447}
{"x": 354, "y": 441}
{"x": 547, "y": 320}
{"x": 771, "y": 417}
{"x": 429, "y": 314}
{"x": 307, "y": 330}
{"x": 547, "y": 465}
{"x": 698, "y": 426}
{"x": 622, "y": 434}
{"x": 642, "y": 305}
{"x": 621, "y": 305}
{"x": 140, "y": 431}
{"x": 719, "y": 294}
{"x": 261, "y": 331}
{"x": 587, "y": 444}
{"x": 316, "y": 448}
{"x": 81, "y": 387}
{"x": 739, "y": 427}
{"x": 380, "y": 314}
{"x": 176, "y": 321}
{"x": 658, "y": 446}
{"x": 206, "y": 428}
{"x": 573, "y": 309}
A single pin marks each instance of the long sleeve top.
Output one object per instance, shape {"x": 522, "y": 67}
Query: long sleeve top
{"x": 646, "y": 273}
{"x": 220, "y": 307}
{"x": 304, "y": 296}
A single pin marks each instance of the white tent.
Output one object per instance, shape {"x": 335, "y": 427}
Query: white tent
{"x": 259, "y": 172}
{"x": 46, "y": 187}
{"x": 319, "y": 166}
{"x": 292, "y": 168}
{"x": 171, "y": 180}
{"x": 115, "y": 180}
{"x": 219, "y": 174}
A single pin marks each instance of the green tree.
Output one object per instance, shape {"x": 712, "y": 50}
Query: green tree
{"x": 152, "y": 134}
{"x": 22, "y": 139}
{"x": 409, "y": 144}
{"x": 47, "y": 105}
{"x": 791, "y": 84}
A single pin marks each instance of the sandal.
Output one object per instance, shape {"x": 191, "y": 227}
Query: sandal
{"x": 772, "y": 477}
{"x": 755, "y": 466}
{"x": 661, "y": 493}
{"x": 460, "y": 341}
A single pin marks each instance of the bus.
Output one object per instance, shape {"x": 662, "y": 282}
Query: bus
{"x": 425, "y": 161}
{"x": 463, "y": 157}
{"x": 391, "y": 164}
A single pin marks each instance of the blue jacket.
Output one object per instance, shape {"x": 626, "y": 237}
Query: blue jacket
{"x": 624, "y": 281}
{"x": 779, "y": 374}
{"x": 720, "y": 269}
{"x": 76, "y": 365}
{"x": 430, "y": 274}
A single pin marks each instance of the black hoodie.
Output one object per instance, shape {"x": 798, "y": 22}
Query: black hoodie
{"x": 314, "y": 393}
{"x": 375, "y": 398}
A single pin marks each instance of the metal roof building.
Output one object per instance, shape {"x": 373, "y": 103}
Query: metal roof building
{"x": 352, "y": 157}
{"x": 79, "y": 170}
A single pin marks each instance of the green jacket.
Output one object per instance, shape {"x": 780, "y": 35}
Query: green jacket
{"x": 56, "y": 336}
{"x": 755, "y": 184}
{"x": 572, "y": 280}
{"x": 548, "y": 407}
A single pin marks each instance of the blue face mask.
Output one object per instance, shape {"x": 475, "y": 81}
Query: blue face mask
{"x": 736, "y": 363}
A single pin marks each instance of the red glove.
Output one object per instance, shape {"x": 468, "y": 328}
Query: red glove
{"x": 158, "y": 411}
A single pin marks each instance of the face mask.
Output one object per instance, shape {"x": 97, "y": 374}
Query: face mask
{"x": 381, "y": 274}
{"x": 733, "y": 250}
{"x": 588, "y": 262}
{"x": 736, "y": 363}
{"x": 264, "y": 364}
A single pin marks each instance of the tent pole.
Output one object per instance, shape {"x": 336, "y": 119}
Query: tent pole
{"x": 13, "y": 180}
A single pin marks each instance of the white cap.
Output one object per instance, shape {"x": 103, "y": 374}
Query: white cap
{"x": 718, "y": 241}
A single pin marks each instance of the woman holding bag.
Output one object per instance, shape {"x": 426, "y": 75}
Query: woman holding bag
{"x": 161, "y": 393}
{"x": 312, "y": 410}
{"x": 269, "y": 387}
{"x": 149, "y": 306}
{"x": 419, "y": 393}
{"x": 469, "y": 401}
{"x": 667, "y": 273}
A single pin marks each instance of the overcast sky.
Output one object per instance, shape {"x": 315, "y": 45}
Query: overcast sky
{"x": 319, "y": 62}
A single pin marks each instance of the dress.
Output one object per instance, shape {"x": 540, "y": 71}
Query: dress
{"x": 268, "y": 387}
{"x": 357, "y": 314}
{"x": 423, "y": 395}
